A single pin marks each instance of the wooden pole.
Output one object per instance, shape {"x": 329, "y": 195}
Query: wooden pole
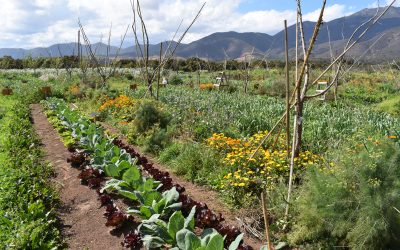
{"x": 266, "y": 219}
{"x": 287, "y": 91}
{"x": 297, "y": 47}
{"x": 159, "y": 71}
{"x": 79, "y": 46}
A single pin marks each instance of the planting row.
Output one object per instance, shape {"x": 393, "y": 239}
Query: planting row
{"x": 26, "y": 198}
{"x": 168, "y": 217}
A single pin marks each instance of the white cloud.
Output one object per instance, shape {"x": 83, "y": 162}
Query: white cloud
{"x": 45, "y": 22}
{"x": 330, "y": 13}
{"x": 384, "y": 3}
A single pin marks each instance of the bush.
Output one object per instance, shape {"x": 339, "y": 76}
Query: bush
{"x": 148, "y": 115}
{"x": 275, "y": 88}
{"x": 199, "y": 164}
{"x": 175, "y": 80}
{"x": 170, "y": 153}
{"x": 356, "y": 204}
{"x": 156, "y": 139}
{"x": 150, "y": 127}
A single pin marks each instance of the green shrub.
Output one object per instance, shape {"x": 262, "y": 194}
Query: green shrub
{"x": 199, "y": 164}
{"x": 175, "y": 80}
{"x": 150, "y": 127}
{"x": 275, "y": 88}
{"x": 148, "y": 115}
{"x": 355, "y": 204}
{"x": 170, "y": 153}
{"x": 156, "y": 140}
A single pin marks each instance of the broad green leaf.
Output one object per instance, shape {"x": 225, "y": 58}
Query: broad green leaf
{"x": 235, "y": 244}
{"x": 153, "y": 219}
{"x": 116, "y": 151}
{"x": 159, "y": 206}
{"x": 140, "y": 197}
{"x": 192, "y": 241}
{"x": 162, "y": 231}
{"x": 125, "y": 165}
{"x": 189, "y": 221}
{"x": 180, "y": 238}
{"x": 176, "y": 223}
{"x": 264, "y": 247}
{"x": 128, "y": 194}
{"x": 131, "y": 175}
{"x": 112, "y": 171}
{"x": 207, "y": 235}
{"x": 152, "y": 242}
{"x": 111, "y": 185}
{"x": 148, "y": 229}
{"x": 149, "y": 197}
{"x": 112, "y": 158}
{"x": 148, "y": 185}
{"x": 175, "y": 206}
{"x": 216, "y": 243}
{"x": 145, "y": 212}
{"x": 171, "y": 195}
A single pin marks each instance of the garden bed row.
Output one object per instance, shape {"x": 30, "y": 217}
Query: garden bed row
{"x": 168, "y": 217}
{"x": 27, "y": 201}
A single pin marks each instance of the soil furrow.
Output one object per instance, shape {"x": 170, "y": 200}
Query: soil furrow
{"x": 83, "y": 224}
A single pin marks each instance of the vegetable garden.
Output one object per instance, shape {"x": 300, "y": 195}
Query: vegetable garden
{"x": 208, "y": 138}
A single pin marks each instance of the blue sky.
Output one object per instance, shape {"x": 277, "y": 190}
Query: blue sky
{"x": 45, "y": 22}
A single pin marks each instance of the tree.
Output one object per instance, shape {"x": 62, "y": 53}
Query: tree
{"x": 141, "y": 35}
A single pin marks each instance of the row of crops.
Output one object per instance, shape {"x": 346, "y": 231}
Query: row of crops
{"x": 167, "y": 217}
{"x": 27, "y": 217}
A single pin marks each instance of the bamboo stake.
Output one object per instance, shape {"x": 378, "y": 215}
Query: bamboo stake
{"x": 266, "y": 219}
{"x": 299, "y": 101}
{"x": 159, "y": 72}
{"x": 297, "y": 47}
{"x": 287, "y": 91}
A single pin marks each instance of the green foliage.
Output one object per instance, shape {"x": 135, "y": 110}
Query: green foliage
{"x": 356, "y": 203}
{"x": 175, "y": 80}
{"x": 156, "y": 140}
{"x": 150, "y": 127}
{"x": 148, "y": 115}
{"x": 274, "y": 88}
{"x": 153, "y": 204}
{"x": 199, "y": 164}
{"x": 170, "y": 152}
{"x": 391, "y": 106}
{"x": 26, "y": 198}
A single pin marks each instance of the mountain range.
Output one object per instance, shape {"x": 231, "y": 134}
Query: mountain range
{"x": 381, "y": 43}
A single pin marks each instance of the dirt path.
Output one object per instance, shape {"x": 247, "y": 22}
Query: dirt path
{"x": 82, "y": 219}
{"x": 199, "y": 193}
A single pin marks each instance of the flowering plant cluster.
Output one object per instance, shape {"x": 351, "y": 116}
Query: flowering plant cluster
{"x": 252, "y": 171}
{"x": 75, "y": 90}
{"x": 207, "y": 86}
{"x": 118, "y": 103}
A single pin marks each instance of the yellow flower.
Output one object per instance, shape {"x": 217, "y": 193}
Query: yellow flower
{"x": 242, "y": 184}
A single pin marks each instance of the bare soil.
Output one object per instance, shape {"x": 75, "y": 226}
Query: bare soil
{"x": 83, "y": 224}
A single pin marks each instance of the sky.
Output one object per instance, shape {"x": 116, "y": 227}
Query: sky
{"x": 40, "y": 23}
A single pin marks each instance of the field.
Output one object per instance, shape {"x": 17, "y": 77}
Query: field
{"x": 187, "y": 169}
